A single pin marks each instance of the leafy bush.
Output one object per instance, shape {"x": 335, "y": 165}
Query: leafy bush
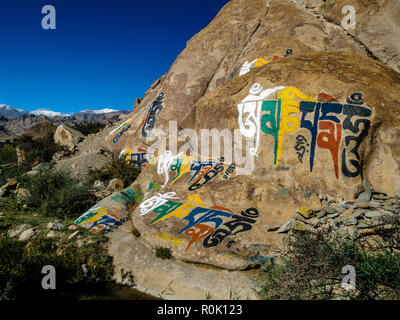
{"x": 89, "y": 128}
{"x": 135, "y": 232}
{"x": 57, "y": 194}
{"x": 20, "y": 268}
{"x": 7, "y": 153}
{"x": 163, "y": 253}
{"x": 11, "y": 172}
{"x": 117, "y": 168}
{"x": 40, "y": 150}
{"x": 312, "y": 264}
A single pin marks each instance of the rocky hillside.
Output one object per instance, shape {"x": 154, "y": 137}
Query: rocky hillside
{"x": 309, "y": 116}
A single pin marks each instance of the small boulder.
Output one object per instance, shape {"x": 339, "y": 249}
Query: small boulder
{"x": 67, "y": 136}
{"x": 115, "y": 185}
{"x": 288, "y": 225}
{"x": 79, "y": 243}
{"x": 366, "y": 194}
{"x": 23, "y": 194}
{"x": 301, "y": 226}
{"x": 351, "y": 213}
{"x": 52, "y": 234}
{"x": 376, "y": 204}
{"x": 6, "y": 188}
{"x": 306, "y": 212}
{"x": 55, "y": 226}
{"x": 31, "y": 173}
{"x": 350, "y": 221}
{"x": 364, "y": 204}
{"x": 338, "y": 207}
{"x": 371, "y": 214}
{"x": 320, "y": 214}
{"x": 329, "y": 209}
{"x": 73, "y": 235}
{"x": 314, "y": 221}
{"x": 98, "y": 184}
{"x": 380, "y": 197}
{"x": 18, "y": 230}
{"x": 333, "y": 215}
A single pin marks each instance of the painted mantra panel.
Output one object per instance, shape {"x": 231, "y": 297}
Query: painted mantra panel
{"x": 139, "y": 158}
{"x": 119, "y": 131}
{"x": 150, "y": 120}
{"x": 212, "y": 225}
{"x": 99, "y": 220}
{"x": 201, "y": 171}
{"x": 326, "y": 122}
{"x": 248, "y": 66}
{"x": 256, "y": 63}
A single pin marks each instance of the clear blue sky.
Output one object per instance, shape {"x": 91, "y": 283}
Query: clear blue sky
{"x": 103, "y": 53}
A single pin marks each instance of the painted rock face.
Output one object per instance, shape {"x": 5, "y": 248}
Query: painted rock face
{"x": 294, "y": 122}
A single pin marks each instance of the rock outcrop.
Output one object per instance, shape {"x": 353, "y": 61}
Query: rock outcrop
{"x": 377, "y": 26}
{"x": 67, "y": 136}
{"x": 304, "y": 114}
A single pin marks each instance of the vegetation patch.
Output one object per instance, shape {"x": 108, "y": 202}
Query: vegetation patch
{"x": 135, "y": 232}
{"x": 57, "y": 194}
{"x": 117, "y": 168}
{"x": 163, "y": 253}
{"x": 311, "y": 267}
{"x": 89, "y": 128}
{"x": 21, "y": 265}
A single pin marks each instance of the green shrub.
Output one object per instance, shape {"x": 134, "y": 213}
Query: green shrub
{"x": 7, "y": 153}
{"x": 8, "y": 162}
{"x": 40, "y": 150}
{"x": 117, "y": 168}
{"x": 11, "y": 172}
{"x": 20, "y": 268}
{"x": 57, "y": 194}
{"x": 135, "y": 232}
{"x": 311, "y": 267}
{"x": 163, "y": 253}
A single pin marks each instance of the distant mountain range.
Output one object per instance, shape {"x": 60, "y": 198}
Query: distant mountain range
{"x": 15, "y": 121}
{"x": 10, "y": 112}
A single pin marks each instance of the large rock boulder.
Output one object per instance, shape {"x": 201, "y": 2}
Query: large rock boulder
{"x": 306, "y": 115}
{"x": 377, "y": 25}
{"x": 321, "y": 123}
{"x": 244, "y": 35}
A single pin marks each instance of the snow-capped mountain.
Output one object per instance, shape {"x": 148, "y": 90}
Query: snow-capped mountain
{"x": 10, "y": 112}
{"x": 15, "y": 121}
{"x": 101, "y": 111}
{"x": 48, "y": 113}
